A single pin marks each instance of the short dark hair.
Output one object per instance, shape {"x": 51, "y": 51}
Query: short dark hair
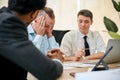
{"x": 86, "y": 13}
{"x": 50, "y": 12}
{"x": 26, "y": 6}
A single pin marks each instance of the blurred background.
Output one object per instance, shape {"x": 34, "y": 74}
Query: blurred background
{"x": 66, "y": 13}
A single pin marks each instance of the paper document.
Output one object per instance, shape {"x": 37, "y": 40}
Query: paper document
{"x": 90, "y": 61}
{"x": 113, "y": 74}
{"x": 76, "y": 64}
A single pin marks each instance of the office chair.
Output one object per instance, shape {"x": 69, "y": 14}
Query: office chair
{"x": 59, "y": 35}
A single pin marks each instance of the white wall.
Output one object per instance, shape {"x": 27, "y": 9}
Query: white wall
{"x": 3, "y": 3}
{"x": 66, "y": 11}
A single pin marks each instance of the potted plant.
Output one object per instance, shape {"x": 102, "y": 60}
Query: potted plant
{"x": 110, "y": 25}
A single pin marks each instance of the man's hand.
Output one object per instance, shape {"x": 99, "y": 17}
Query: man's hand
{"x": 49, "y": 31}
{"x": 39, "y": 25}
{"x": 55, "y": 54}
{"x": 79, "y": 54}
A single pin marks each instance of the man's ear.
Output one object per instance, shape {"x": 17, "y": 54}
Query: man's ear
{"x": 34, "y": 14}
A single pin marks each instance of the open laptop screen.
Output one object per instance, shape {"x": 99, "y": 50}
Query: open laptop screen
{"x": 95, "y": 68}
{"x": 114, "y": 55}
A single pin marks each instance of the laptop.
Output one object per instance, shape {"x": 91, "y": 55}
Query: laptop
{"x": 114, "y": 54}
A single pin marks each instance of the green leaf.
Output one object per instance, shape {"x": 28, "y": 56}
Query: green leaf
{"x": 116, "y": 5}
{"x": 110, "y": 25}
{"x": 114, "y": 35}
{"x": 119, "y": 3}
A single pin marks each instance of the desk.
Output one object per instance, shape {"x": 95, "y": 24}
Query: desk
{"x": 66, "y": 72}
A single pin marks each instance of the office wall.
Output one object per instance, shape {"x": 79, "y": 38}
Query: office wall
{"x": 101, "y": 8}
{"x": 3, "y": 3}
{"x": 66, "y": 11}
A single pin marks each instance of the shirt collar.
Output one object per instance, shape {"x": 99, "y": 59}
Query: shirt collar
{"x": 82, "y": 35}
{"x": 30, "y": 29}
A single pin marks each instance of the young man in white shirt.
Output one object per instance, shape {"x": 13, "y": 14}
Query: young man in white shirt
{"x": 72, "y": 44}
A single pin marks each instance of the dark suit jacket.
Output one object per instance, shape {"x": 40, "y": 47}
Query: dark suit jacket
{"x": 18, "y": 55}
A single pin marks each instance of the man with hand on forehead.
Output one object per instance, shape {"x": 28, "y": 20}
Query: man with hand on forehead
{"x": 40, "y": 31}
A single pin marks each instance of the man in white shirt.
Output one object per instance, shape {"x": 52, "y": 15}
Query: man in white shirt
{"x": 72, "y": 44}
{"x": 40, "y": 31}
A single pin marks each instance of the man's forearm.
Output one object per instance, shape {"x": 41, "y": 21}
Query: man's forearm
{"x": 59, "y": 69}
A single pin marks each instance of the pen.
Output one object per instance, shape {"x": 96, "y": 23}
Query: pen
{"x": 86, "y": 48}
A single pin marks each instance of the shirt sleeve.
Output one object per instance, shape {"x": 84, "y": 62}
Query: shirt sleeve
{"x": 101, "y": 47}
{"x": 37, "y": 41}
{"x": 53, "y": 43}
{"x": 65, "y": 46}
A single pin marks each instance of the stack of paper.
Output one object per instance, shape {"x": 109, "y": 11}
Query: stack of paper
{"x": 113, "y": 74}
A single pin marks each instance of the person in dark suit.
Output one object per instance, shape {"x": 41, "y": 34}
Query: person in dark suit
{"x": 18, "y": 55}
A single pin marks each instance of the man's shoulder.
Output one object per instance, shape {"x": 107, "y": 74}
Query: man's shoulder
{"x": 71, "y": 32}
{"x": 5, "y": 13}
{"x": 9, "y": 16}
{"x": 94, "y": 32}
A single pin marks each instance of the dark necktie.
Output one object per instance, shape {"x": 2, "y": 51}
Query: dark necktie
{"x": 87, "y": 51}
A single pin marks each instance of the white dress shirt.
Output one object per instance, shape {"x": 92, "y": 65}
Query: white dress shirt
{"x": 73, "y": 41}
